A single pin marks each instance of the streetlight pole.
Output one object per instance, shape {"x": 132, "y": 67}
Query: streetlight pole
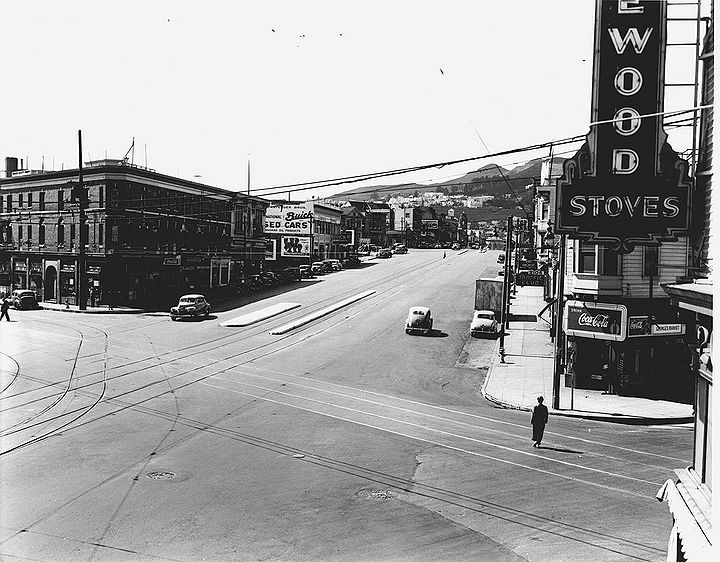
{"x": 81, "y": 289}
{"x": 506, "y": 290}
{"x": 559, "y": 366}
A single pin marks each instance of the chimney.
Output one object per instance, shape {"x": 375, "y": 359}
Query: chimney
{"x": 11, "y": 165}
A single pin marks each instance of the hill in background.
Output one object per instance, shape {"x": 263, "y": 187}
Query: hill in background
{"x": 489, "y": 180}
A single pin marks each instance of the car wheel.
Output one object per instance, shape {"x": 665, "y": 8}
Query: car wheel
{"x": 407, "y": 331}
{"x": 173, "y": 318}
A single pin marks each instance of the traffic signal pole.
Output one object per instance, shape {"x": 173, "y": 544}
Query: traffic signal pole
{"x": 82, "y": 269}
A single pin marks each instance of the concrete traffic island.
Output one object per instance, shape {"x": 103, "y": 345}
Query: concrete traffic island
{"x": 259, "y": 315}
{"x": 319, "y": 314}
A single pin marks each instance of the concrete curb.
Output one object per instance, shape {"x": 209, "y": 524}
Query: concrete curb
{"x": 260, "y": 315}
{"x": 95, "y": 310}
{"x": 319, "y": 314}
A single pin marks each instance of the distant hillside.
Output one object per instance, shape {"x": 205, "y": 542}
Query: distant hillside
{"x": 488, "y": 180}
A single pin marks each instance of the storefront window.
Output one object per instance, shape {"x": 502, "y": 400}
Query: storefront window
{"x": 60, "y": 232}
{"x": 41, "y": 232}
{"x": 60, "y": 200}
{"x": 651, "y": 259}
{"x": 595, "y": 259}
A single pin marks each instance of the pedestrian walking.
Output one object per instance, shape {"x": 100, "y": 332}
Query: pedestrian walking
{"x": 443, "y": 255}
{"x": 4, "y": 308}
{"x": 538, "y": 421}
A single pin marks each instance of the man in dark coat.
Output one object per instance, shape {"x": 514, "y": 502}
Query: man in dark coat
{"x": 4, "y": 308}
{"x": 538, "y": 421}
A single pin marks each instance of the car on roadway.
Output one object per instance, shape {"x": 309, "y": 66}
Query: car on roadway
{"x": 384, "y": 253}
{"x": 484, "y": 323}
{"x": 455, "y": 246}
{"x": 501, "y": 257}
{"x": 23, "y": 299}
{"x": 190, "y": 306}
{"x": 305, "y": 271}
{"x": 419, "y": 320}
{"x": 400, "y": 249}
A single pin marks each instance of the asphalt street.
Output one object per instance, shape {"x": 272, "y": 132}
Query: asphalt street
{"x": 131, "y": 437}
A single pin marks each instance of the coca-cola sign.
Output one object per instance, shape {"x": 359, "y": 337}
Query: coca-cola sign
{"x": 595, "y": 320}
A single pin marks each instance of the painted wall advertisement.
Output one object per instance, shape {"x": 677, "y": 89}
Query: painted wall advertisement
{"x": 288, "y": 219}
{"x": 626, "y": 186}
{"x": 295, "y": 246}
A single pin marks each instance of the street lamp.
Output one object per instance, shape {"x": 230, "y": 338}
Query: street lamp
{"x": 559, "y": 268}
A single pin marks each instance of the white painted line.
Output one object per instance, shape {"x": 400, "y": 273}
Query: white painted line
{"x": 257, "y": 316}
{"x": 320, "y": 313}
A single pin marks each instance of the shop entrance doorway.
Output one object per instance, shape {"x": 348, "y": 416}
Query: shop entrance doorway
{"x": 50, "y": 283}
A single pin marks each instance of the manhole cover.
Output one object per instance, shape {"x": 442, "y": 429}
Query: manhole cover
{"x": 161, "y": 475}
{"x": 379, "y": 495}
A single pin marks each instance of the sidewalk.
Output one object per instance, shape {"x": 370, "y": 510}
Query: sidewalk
{"x": 528, "y": 372}
{"x": 104, "y": 309}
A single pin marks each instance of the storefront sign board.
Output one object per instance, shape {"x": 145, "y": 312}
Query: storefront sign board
{"x": 626, "y": 187}
{"x": 288, "y": 219}
{"x": 595, "y": 320}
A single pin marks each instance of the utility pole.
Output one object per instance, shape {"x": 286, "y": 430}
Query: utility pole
{"x": 559, "y": 344}
{"x": 82, "y": 268}
{"x": 504, "y": 312}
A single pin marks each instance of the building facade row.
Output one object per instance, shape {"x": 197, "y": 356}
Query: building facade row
{"x": 148, "y": 237}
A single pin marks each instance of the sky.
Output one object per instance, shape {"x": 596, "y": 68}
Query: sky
{"x": 303, "y": 90}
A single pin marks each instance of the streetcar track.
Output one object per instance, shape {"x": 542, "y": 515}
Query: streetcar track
{"x": 260, "y": 328}
{"x": 257, "y": 331}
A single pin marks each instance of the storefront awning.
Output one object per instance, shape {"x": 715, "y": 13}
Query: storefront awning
{"x": 691, "y": 519}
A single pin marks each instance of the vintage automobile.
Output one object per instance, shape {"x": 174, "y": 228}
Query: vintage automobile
{"x": 484, "y": 323}
{"x": 289, "y": 274}
{"x": 384, "y": 253}
{"x": 455, "y": 246}
{"x": 400, "y": 249}
{"x": 305, "y": 271}
{"x": 334, "y": 265}
{"x": 318, "y": 268}
{"x": 269, "y": 279}
{"x": 419, "y": 320}
{"x": 501, "y": 257}
{"x": 23, "y": 299}
{"x": 190, "y": 306}
{"x": 352, "y": 261}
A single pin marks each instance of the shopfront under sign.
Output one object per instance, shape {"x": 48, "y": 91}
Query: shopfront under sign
{"x": 595, "y": 320}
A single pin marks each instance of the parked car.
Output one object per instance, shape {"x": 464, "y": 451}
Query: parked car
{"x": 455, "y": 246}
{"x": 190, "y": 306}
{"x": 289, "y": 274}
{"x": 384, "y": 253}
{"x": 401, "y": 249}
{"x": 318, "y": 268}
{"x": 501, "y": 257}
{"x": 269, "y": 279}
{"x": 23, "y": 299}
{"x": 352, "y": 261}
{"x": 419, "y": 320}
{"x": 254, "y": 282}
{"x": 332, "y": 265}
{"x": 305, "y": 271}
{"x": 484, "y": 323}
